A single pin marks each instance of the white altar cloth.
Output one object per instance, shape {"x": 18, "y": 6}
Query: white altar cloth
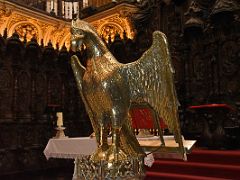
{"x": 70, "y": 148}
{"x": 80, "y": 147}
{"x": 73, "y": 148}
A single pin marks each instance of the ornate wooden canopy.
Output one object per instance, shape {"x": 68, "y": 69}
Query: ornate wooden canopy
{"x": 29, "y": 22}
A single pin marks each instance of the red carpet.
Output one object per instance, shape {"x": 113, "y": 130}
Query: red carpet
{"x": 201, "y": 165}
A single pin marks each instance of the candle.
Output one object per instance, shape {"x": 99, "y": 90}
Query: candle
{"x": 59, "y": 119}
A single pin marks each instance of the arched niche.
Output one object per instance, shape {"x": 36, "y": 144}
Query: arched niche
{"x": 110, "y": 29}
{"x": 28, "y": 29}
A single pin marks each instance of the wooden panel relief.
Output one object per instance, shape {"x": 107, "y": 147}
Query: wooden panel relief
{"x": 229, "y": 58}
{"x": 54, "y": 90}
{"x": 6, "y": 95}
{"x": 23, "y": 97}
{"x": 40, "y": 95}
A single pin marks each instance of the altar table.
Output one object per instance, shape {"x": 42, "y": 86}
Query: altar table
{"x": 81, "y": 147}
{"x": 70, "y": 148}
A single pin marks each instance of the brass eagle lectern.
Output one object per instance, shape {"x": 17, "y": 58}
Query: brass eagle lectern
{"x": 108, "y": 88}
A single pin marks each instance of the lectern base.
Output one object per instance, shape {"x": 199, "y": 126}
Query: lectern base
{"x": 86, "y": 169}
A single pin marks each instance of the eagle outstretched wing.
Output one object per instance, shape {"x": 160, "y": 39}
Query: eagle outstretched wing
{"x": 151, "y": 80}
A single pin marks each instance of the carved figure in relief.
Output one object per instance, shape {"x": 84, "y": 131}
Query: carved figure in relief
{"x": 108, "y": 88}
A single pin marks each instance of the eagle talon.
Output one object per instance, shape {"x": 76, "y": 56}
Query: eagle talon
{"x": 116, "y": 154}
{"x": 100, "y": 154}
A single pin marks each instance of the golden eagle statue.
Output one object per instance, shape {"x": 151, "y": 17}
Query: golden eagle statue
{"x": 108, "y": 88}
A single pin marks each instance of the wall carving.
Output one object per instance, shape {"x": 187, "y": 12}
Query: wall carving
{"x": 27, "y": 31}
{"x": 46, "y": 28}
{"x": 6, "y": 93}
{"x": 23, "y": 95}
{"x": 109, "y": 30}
{"x": 116, "y": 19}
{"x": 30, "y": 80}
{"x": 204, "y": 43}
{"x": 25, "y": 21}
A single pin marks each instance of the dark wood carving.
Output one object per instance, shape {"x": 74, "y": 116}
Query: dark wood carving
{"x": 6, "y": 94}
{"x": 204, "y": 43}
{"x": 31, "y": 78}
{"x": 23, "y": 96}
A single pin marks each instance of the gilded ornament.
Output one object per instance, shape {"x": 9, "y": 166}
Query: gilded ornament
{"x": 108, "y": 88}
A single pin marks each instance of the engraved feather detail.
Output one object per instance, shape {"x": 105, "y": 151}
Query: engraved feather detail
{"x": 78, "y": 71}
{"x": 151, "y": 80}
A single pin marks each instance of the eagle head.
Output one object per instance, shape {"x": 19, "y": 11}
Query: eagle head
{"x": 80, "y": 31}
